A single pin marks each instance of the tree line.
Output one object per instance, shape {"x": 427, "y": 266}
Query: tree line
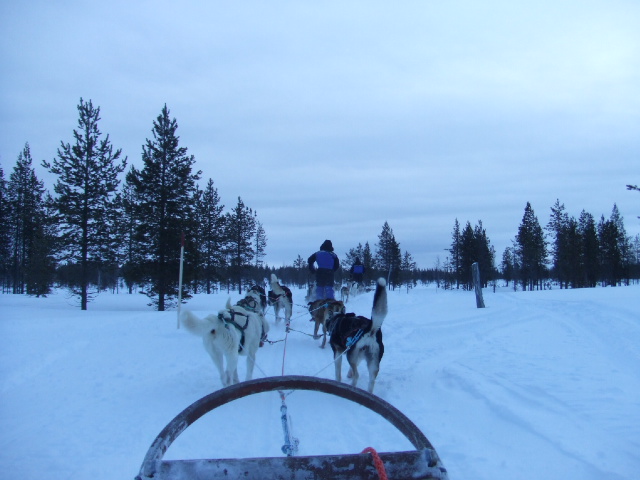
{"x": 95, "y": 233}
{"x": 573, "y": 253}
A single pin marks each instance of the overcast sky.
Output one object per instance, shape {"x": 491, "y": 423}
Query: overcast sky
{"x": 330, "y": 118}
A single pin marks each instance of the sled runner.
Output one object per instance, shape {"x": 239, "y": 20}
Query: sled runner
{"x": 421, "y": 463}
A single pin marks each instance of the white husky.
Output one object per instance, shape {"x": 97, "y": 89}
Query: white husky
{"x": 232, "y": 332}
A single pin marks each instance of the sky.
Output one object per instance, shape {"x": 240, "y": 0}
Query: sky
{"x": 329, "y": 119}
{"x": 541, "y": 384}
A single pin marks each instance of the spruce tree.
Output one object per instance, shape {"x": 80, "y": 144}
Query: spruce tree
{"x": 624, "y": 244}
{"x": 532, "y": 249}
{"x": 86, "y": 185}
{"x": 507, "y": 265}
{"x": 467, "y": 255}
{"x": 164, "y": 189}
{"x": 5, "y": 232}
{"x": 211, "y": 228}
{"x": 368, "y": 262}
{"x": 485, "y": 253}
{"x": 388, "y": 255}
{"x": 455, "y": 251}
{"x": 407, "y": 268}
{"x": 558, "y": 229}
{"x": 614, "y": 248}
{"x": 589, "y": 250}
{"x": 240, "y": 229}
{"x": 260, "y": 243}
{"x": 128, "y": 225}
{"x": 32, "y": 263}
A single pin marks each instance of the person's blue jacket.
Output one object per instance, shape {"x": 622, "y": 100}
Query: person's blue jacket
{"x": 327, "y": 262}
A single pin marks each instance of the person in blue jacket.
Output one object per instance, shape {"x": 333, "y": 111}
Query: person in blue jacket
{"x": 357, "y": 272}
{"x": 327, "y": 263}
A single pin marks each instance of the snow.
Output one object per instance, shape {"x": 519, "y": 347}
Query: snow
{"x": 537, "y": 385}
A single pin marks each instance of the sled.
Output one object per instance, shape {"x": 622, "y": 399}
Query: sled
{"x": 421, "y": 463}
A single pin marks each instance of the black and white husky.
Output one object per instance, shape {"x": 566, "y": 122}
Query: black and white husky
{"x": 234, "y": 331}
{"x": 360, "y": 338}
{"x": 281, "y": 298}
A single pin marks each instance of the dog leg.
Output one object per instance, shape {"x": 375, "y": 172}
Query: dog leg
{"x": 373, "y": 365}
{"x": 373, "y": 374}
{"x": 232, "y": 368}
{"x": 218, "y": 361}
{"x": 337, "y": 360}
{"x": 251, "y": 362}
{"x": 354, "y": 375}
{"x": 288, "y": 310}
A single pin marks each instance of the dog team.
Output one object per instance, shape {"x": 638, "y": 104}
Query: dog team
{"x": 241, "y": 329}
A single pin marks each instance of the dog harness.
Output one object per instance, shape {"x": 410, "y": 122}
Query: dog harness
{"x": 240, "y": 328}
{"x": 233, "y": 322}
{"x": 249, "y": 304}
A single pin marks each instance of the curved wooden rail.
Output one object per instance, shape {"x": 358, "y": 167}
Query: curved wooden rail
{"x": 423, "y": 463}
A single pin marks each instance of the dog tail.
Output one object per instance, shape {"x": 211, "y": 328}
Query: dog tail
{"x": 379, "y": 311}
{"x": 194, "y": 324}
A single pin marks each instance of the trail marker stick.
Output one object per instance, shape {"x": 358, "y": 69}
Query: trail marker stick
{"x": 180, "y": 277}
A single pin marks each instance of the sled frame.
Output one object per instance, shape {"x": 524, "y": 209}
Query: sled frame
{"x": 421, "y": 463}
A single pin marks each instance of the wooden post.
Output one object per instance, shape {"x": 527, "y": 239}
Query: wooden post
{"x": 476, "y": 282}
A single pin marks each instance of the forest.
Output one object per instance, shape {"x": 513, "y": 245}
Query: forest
{"x": 109, "y": 227}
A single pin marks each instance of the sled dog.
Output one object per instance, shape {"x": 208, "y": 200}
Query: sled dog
{"x": 281, "y": 298}
{"x": 321, "y": 311}
{"x": 234, "y": 331}
{"x": 360, "y": 338}
{"x": 344, "y": 294}
{"x": 256, "y": 299}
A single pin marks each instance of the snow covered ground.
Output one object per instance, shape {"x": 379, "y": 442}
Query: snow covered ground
{"x": 537, "y": 385}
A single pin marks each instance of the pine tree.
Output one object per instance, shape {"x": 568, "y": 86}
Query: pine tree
{"x": 614, "y": 248}
{"x": 455, "y": 251}
{"x": 388, "y": 255}
{"x": 164, "y": 189}
{"x": 32, "y": 247}
{"x": 473, "y": 246}
{"x": 507, "y": 265}
{"x": 127, "y": 228}
{"x": 5, "y": 232}
{"x": 589, "y": 250}
{"x": 624, "y": 244}
{"x": 260, "y": 243}
{"x": 407, "y": 268}
{"x": 212, "y": 232}
{"x": 241, "y": 229}
{"x": 532, "y": 249}
{"x": 557, "y": 228}
{"x": 42, "y": 265}
{"x": 87, "y": 181}
{"x": 485, "y": 254}
{"x": 368, "y": 262}
{"x": 467, "y": 255}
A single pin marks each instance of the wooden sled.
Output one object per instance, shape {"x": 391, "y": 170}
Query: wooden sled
{"x": 421, "y": 463}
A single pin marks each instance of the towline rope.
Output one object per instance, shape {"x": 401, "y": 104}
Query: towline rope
{"x": 377, "y": 462}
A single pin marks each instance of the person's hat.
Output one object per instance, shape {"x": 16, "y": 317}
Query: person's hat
{"x": 326, "y": 246}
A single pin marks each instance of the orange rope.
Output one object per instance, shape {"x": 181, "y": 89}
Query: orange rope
{"x": 377, "y": 461}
